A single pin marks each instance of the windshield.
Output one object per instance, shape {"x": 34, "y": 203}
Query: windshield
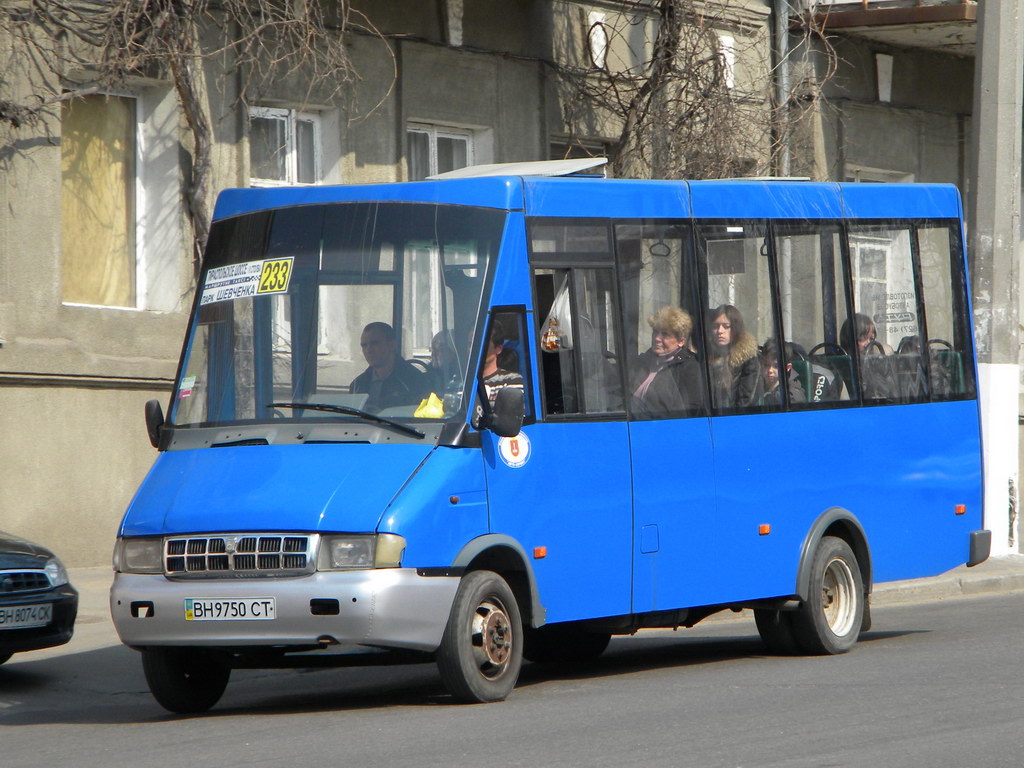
{"x": 361, "y": 309}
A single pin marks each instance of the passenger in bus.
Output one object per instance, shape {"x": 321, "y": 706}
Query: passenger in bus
{"x": 859, "y": 338}
{"x": 389, "y": 380}
{"x": 444, "y": 364}
{"x": 495, "y": 377}
{"x": 666, "y": 378}
{"x": 732, "y": 359}
{"x": 771, "y": 380}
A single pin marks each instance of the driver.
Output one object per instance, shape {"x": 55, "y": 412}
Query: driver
{"x": 388, "y": 380}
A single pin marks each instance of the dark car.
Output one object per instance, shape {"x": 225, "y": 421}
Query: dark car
{"x": 37, "y": 603}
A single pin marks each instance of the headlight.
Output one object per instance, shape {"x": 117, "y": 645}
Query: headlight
{"x": 348, "y": 552}
{"x": 139, "y": 556}
{"x": 56, "y": 573}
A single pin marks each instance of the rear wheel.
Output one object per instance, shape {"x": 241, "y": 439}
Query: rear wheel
{"x": 830, "y": 620}
{"x": 481, "y": 651}
{"x": 558, "y": 644}
{"x": 185, "y": 680}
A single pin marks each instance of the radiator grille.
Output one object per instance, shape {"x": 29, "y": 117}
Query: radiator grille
{"x": 245, "y": 554}
{"x": 12, "y": 582}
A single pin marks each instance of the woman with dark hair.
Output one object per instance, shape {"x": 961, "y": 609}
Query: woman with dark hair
{"x": 666, "y": 378}
{"x": 732, "y": 359}
{"x": 878, "y": 376}
{"x": 859, "y": 335}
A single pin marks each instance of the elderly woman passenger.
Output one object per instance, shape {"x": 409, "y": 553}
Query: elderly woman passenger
{"x": 665, "y": 379}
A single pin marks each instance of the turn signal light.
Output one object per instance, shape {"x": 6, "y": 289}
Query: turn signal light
{"x": 764, "y": 529}
{"x": 960, "y": 509}
{"x": 540, "y": 552}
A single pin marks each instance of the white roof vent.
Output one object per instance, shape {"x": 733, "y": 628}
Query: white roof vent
{"x": 532, "y": 168}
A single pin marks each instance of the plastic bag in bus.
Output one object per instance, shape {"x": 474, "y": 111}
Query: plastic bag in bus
{"x": 556, "y": 333}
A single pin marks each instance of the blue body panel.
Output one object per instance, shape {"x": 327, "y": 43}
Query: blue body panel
{"x": 899, "y": 470}
{"x": 885, "y": 201}
{"x": 572, "y": 496}
{"x": 607, "y": 198}
{"x": 328, "y": 487}
{"x": 760, "y": 199}
{"x": 443, "y": 507}
{"x": 676, "y": 542}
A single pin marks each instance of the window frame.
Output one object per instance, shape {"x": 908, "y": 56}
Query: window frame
{"x": 291, "y": 118}
{"x": 433, "y": 133}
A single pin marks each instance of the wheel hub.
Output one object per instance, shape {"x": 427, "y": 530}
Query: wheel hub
{"x": 492, "y": 638}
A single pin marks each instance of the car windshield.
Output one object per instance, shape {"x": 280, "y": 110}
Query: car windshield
{"x": 360, "y": 311}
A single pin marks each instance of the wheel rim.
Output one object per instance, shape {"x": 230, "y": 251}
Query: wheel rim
{"x": 491, "y": 634}
{"x": 838, "y": 596}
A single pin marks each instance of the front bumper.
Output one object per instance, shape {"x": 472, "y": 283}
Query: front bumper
{"x": 385, "y": 608}
{"x": 57, "y": 632}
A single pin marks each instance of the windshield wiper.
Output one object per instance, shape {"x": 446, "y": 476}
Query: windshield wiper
{"x": 403, "y": 428}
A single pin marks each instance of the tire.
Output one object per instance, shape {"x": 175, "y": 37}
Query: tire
{"x": 481, "y": 651}
{"x": 560, "y": 644}
{"x": 776, "y": 630}
{"x": 185, "y": 680}
{"x": 830, "y": 620}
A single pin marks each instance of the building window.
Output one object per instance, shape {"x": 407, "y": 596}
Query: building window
{"x": 436, "y": 149}
{"x": 727, "y": 54}
{"x": 98, "y": 201}
{"x": 284, "y": 147}
{"x": 597, "y": 39}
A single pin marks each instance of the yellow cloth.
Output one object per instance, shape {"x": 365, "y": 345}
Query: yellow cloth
{"x": 430, "y": 408}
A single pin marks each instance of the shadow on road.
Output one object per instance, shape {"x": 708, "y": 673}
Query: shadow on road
{"x": 107, "y": 686}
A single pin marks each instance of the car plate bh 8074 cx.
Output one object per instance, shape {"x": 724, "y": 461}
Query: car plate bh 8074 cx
{"x": 23, "y": 616}
{"x": 230, "y": 609}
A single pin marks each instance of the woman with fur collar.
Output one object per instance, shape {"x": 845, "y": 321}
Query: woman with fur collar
{"x": 732, "y": 359}
{"x": 666, "y": 378}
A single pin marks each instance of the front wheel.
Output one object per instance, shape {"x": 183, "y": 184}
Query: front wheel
{"x": 831, "y": 618}
{"x": 185, "y": 680}
{"x": 481, "y": 651}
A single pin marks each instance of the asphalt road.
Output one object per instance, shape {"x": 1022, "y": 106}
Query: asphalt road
{"x": 934, "y": 685}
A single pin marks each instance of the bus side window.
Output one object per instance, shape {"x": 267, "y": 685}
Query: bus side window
{"x": 661, "y": 320}
{"x": 579, "y": 355}
{"x": 813, "y": 305}
{"x": 887, "y": 312}
{"x": 740, "y": 316}
{"x": 942, "y": 288}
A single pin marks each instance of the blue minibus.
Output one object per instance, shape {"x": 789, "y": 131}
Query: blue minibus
{"x": 474, "y": 421}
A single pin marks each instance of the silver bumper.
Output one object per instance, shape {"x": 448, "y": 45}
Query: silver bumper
{"x": 386, "y": 608}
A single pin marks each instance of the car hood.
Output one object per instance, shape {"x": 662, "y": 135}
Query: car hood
{"x": 326, "y": 487}
{"x": 16, "y": 552}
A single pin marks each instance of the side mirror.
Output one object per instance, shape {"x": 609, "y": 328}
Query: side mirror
{"x": 154, "y": 421}
{"x": 509, "y": 407}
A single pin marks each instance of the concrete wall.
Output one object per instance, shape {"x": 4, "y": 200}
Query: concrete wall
{"x": 921, "y": 131}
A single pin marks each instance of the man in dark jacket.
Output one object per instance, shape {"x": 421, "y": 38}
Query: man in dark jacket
{"x": 389, "y": 380}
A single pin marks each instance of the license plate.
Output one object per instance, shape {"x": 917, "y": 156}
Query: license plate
{"x": 230, "y": 609}
{"x": 22, "y": 616}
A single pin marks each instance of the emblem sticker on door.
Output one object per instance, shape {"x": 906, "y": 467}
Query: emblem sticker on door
{"x": 514, "y": 451}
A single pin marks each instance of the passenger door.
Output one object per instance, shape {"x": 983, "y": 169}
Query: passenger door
{"x": 562, "y": 487}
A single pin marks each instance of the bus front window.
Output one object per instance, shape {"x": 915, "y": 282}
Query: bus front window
{"x": 350, "y": 307}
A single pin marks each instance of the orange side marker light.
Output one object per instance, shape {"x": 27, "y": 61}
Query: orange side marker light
{"x": 764, "y": 529}
{"x": 960, "y": 509}
{"x": 540, "y": 552}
